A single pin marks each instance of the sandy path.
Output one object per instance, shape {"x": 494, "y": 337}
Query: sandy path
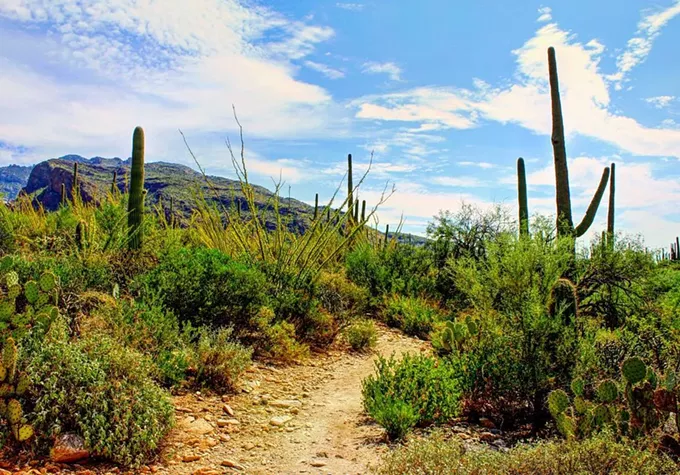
{"x": 327, "y": 431}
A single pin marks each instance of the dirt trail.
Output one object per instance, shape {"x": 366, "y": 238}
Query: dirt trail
{"x": 318, "y": 404}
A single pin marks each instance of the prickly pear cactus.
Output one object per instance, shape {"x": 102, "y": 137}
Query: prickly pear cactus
{"x": 634, "y": 370}
{"x": 607, "y": 391}
{"x": 13, "y": 385}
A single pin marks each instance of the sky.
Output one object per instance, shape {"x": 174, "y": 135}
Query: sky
{"x": 445, "y": 95}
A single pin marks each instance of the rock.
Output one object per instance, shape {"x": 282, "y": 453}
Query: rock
{"x": 69, "y": 448}
{"x": 318, "y": 463}
{"x": 183, "y": 409}
{"x": 487, "y": 437}
{"x": 191, "y": 458}
{"x": 227, "y": 422}
{"x": 197, "y": 427}
{"x": 225, "y": 437}
{"x": 207, "y": 471}
{"x": 286, "y": 403}
{"x": 227, "y": 408}
{"x": 249, "y": 446}
{"x": 488, "y": 423}
{"x": 280, "y": 421}
{"x": 232, "y": 464}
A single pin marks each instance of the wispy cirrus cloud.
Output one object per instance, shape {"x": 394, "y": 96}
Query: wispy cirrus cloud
{"x": 639, "y": 47}
{"x": 545, "y": 14}
{"x": 660, "y": 102}
{"x": 392, "y": 70}
{"x": 354, "y": 7}
{"x": 326, "y": 70}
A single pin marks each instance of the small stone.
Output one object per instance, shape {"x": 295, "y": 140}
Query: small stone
{"x": 488, "y": 423}
{"x": 487, "y": 437}
{"x": 207, "y": 471}
{"x": 294, "y": 410}
{"x": 286, "y": 403}
{"x": 227, "y": 422}
{"x": 232, "y": 464}
{"x": 318, "y": 463}
{"x": 225, "y": 437}
{"x": 69, "y": 448}
{"x": 249, "y": 446}
{"x": 197, "y": 426}
{"x": 227, "y": 408}
{"x": 280, "y": 421}
{"x": 191, "y": 458}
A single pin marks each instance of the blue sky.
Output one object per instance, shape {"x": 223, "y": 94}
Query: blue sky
{"x": 447, "y": 96}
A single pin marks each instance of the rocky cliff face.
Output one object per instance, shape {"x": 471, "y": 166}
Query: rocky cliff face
{"x": 163, "y": 181}
{"x": 12, "y": 179}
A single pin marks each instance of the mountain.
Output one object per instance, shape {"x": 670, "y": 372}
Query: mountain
{"x": 163, "y": 181}
{"x": 12, "y": 179}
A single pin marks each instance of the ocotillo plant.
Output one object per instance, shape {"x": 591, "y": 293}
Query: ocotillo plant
{"x": 350, "y": 187}
{"x": 136, "y": 198}
{"x": 611, "y": 210}
{"x": 522, "y": 198}
{"x": 565, "y": 224}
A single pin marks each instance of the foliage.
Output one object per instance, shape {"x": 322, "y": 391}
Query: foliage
{"x": 100, "y": 390}
{"x": 362, "y": 335}
{"x": 220, "y": 360}
{"x": 277, "y": 340}
{"x": 600, "y": 455}
{"x": 415, "y": 316}
{"x": 13, "y": 386}
{"x": 418, "y": 384}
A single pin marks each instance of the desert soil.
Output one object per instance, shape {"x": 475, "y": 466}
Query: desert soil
{"x": 306, "y": 418}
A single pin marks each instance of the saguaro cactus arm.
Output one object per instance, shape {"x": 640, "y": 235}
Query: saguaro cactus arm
{"x": 611, "y": 210}
{"x": 594, "y": 204}
{"x": 522, "y": 198}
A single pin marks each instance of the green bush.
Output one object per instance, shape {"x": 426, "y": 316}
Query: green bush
{"x": 415, "y": 316}
{"x": 220, "y": 360}
{"x": 206, "y": 287}
{"x": 397, "y": 417}
{"x": 277, "y": 340}
{"x": 601, "y": 455}
{"x": 362, "y": 335}
{"x": 102, "y": 391}
{"x": 341, "y": 297}
{"x": 427, "y": 385}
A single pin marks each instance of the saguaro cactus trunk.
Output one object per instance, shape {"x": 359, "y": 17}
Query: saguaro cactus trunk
{"x": 350, "y": 187}
{"x": 611, "y": 210}
{"x": 522, "y": 198}
{"x": 136, "y": 198}
{"x": 565, "y": 223}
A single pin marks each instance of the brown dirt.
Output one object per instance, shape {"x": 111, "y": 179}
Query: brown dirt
{"x": 327, "y": 433}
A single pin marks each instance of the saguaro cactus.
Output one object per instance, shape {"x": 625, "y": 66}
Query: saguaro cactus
{"x": 316, "y": 206}
{"x": 114, "y": 186}
{"x": 64, "y": 197}
{"x": 350, "y": 187}
{"x": 522, "y": 198}
{"x": 74, "y": 191}
{"x": 565, "y": 224}
{"x": 363, "y": 211}
{"x": 136, "y": 198}
{"x": 611, "y": 210}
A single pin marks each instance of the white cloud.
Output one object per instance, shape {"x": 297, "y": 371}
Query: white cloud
{"x": 391, "y": 69}
{"x": 190, "y": 62}
{"x": 354, "y": 7}
{"x": 326, "y": 70}
{"x": 461, "y": 182}
{"x": 545, "y": 14}
{"x": 485, "y": 165}
{"x": 584, "y": 90}
{"x": 639, "y": 47}
{"x": 660, "y": 101}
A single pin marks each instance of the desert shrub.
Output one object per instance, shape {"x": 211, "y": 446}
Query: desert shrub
{"x": 145, "y": 327}
{"x": 428, "y": 386}
{"x": 220, "y": 360}
{"x": 276, "y": 339}
{"x": 341, "y": 297}
{"x": 415, "y": 316}
{"x": 102, "y": 391}
{"x": 402, "y": 269}
{"x": 206, "y": 287}
{"x": 601, "y": 455}
{"x": 362, "y": 335}
{"x": 521, "y": 350}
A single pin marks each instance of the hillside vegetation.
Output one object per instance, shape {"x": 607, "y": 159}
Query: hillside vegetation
{"x": 109, "y": 306}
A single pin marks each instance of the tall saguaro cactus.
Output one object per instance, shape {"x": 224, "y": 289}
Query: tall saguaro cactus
{"x": 611, "y": 210}
{"x": 350, "y": 187}
{"x": 565, "y": 223}
{"x": 316, "y": 206}
{"x": 74, "y": 191}
{"x": 522, "y": 198}
{"x": 136, "y": 199}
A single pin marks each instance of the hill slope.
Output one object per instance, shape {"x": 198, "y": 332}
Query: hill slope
{"x": 12, "y": 179}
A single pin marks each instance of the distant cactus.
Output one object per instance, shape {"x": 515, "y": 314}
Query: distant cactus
{"x": 522, "y": 198}
{"x": 565, "y": 224}
{"x": 80, "y": 235}
{"x": 350, "y": 187}
{"x": 363, "y": 211}
{"x": 611, "y": 210}
{"x": 387, "y": 234}
{"x": 64, "y": 196}
{"x": 356, "y": 210}
{"x": 316, "y": 206}
{"x": 114, "y": 183}
{"x": 75, "y": 190}
{"x": 136, "y": 198}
